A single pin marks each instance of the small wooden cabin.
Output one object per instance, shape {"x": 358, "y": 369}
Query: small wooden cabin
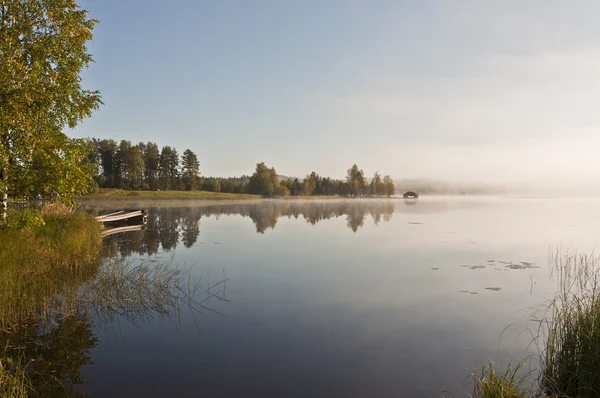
{"x": 410, "y": 195}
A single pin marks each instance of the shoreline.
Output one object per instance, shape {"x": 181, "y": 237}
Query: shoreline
{"x": 120, "y": 196}
{"x": 124, "y": 195}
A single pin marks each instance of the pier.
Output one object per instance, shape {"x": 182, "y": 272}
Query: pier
{"x": 123, "y": 215}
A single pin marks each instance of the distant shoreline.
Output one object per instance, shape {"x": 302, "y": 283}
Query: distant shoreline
{"x": 119, "y": 195}
{"x": 122, "y": 195}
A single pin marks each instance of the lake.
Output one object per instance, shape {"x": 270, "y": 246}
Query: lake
{"x": 353, "y": 298}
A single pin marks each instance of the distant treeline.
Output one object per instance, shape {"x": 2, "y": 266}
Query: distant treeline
{"x": 144, "y": 166}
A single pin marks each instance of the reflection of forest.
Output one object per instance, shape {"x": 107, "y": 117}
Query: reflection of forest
{"x": 52, "y": 352}
{"x": 47, "y": 339}
{"x": 168, "y": 227}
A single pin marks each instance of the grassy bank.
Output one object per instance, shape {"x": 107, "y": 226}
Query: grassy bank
{"x": 36, "y": 249}
{"x": 46, "y": 240}
{"x": 116, "y": 194}
{"x": 55, "y": 290}
{"x": 42, "y": 253}
{"x": 568, "y": 339}
{"x": 120, "y": 194}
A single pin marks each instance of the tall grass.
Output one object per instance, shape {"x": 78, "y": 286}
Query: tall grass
{"x": 41, "y": 253}
{"x": 54, "y": 289}
{"x": 51, "y": 340}
{"x": 34, "y": 260}
{"x": 14, "y": 380}
{"x": 60, "y": 238}
{"x": 568, "y": 337}
{"x": 571, "y": 352}
{"x": 490, "y": 384}
{"x": 141, "y": 290}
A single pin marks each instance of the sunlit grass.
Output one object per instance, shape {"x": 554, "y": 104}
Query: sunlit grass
{"x": 112, "y": 194}
{"x": 41, "y": 253}
{"x": 14, "y": 380}
{"x": 60, "y": 237}
{"x": 35, "y": 260}
{"x": 490, "y": 384}
{"x": 119, "y": 194}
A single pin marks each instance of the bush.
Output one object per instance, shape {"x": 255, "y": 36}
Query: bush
{"x": 282, "y": 190}
{"x": 21, "y": 219}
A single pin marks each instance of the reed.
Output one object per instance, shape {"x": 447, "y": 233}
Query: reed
{"x": 491, "y": 384}
{"x": 571, "y": 350}
{"x": 568, "y": 337}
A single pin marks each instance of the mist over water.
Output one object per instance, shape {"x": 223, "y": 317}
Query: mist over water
{"x": 569, "y": 188}
{"x": 387, "y": 296}
{"x": 487, "y": 110}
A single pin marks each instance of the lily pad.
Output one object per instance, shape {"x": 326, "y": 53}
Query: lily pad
{"x": 474, "y": 266}
{"x": 522, "y": 266}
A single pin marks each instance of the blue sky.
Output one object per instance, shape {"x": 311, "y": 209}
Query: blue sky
{"x": 501, "y": 91}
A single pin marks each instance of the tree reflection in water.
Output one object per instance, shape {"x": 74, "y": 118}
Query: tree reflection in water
{"x": 169, "y": 226}
{"x": 47, "y": 325}
{"x": 51, "y": 353}
{"x": 48, "y": 338}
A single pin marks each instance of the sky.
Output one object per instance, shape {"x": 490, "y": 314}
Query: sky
{"x": 502, "y": 92}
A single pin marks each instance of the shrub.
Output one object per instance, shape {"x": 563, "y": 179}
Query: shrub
{"x": 21, "y": 219}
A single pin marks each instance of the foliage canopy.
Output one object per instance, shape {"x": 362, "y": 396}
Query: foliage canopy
{"x": 42, "y": 53}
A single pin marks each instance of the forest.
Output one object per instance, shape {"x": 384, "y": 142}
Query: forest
{"x": 145, "y": 166}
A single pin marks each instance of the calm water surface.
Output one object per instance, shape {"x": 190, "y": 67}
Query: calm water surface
{"x": 340, "y": 298}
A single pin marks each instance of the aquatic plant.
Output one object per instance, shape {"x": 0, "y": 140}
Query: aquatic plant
{"x": 568, "y": 337}
{"x": 37, "y": 262}
{"x": 55, "y": 289}
{"x": 48, "y": 337}
{"x": 490, "y": 384}
{"x": 570, "y": 353}
{"x": 14, "y": 380}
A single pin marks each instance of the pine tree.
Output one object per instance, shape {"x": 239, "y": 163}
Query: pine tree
{"x": 190, "y": 170}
